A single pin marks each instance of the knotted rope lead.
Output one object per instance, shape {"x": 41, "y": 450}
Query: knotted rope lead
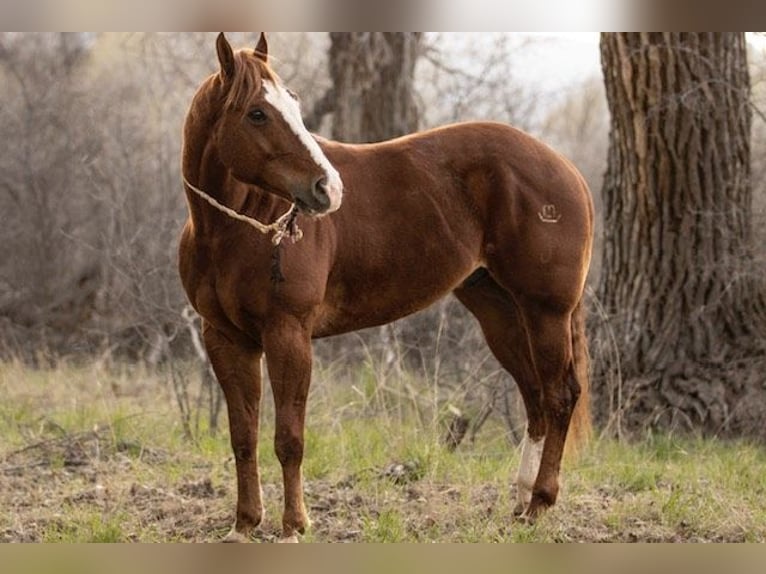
{"x": 285, "y": 226}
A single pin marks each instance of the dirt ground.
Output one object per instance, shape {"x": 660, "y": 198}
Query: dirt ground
{"x": 78, "y": 488}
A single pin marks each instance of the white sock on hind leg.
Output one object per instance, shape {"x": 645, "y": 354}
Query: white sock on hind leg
{"x": 531, "y": 455}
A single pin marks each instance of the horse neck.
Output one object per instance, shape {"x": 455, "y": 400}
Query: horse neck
{"x": 203, "y": 168}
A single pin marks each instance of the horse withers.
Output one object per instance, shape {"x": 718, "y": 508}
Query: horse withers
{"x": 481, "y": 210}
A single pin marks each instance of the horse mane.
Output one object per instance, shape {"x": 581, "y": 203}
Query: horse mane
{"x": 249, "y": 74}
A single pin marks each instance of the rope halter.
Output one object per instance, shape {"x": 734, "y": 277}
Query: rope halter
{"x": 285, "y": 226}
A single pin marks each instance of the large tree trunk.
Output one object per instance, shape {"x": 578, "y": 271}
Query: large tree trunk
{"x": 373, "y": 94}
{"x": 681, "y": 301}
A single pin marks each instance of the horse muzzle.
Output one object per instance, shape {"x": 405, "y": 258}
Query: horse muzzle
{"x": 324, "y": 196}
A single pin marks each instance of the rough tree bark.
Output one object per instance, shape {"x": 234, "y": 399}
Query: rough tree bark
{"x": 372, "y": 98}
{"x": 681, "y": 301}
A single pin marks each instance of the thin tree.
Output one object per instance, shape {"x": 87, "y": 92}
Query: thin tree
{"x": 681, "y": 301}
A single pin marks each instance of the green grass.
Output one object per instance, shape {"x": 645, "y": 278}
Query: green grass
{"x": 91, "y": 454}
{"x": 87, "y": 527}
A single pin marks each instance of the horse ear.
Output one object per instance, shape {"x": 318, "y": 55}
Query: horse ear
{"x": 225, "y": 56}
{"x": 262, "y": 49}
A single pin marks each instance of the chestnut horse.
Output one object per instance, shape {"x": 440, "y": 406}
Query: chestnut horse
{"x": 481, "y": 210}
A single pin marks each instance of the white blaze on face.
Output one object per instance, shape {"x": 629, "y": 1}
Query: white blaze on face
{"x": 280, "y": 98}
{"x": 531, "y": 455}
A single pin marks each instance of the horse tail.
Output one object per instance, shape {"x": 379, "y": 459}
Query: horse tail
{"x": 580, "y": 428}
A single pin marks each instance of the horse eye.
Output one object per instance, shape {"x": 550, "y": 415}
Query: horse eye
{"x": 257, "y": 116}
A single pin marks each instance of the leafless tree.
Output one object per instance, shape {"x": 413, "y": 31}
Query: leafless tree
{"x": 46, "y": 282}
{"x": 681, "y": 301}
{"x": 474, "y": 77}
{"x": 371, "y": 97}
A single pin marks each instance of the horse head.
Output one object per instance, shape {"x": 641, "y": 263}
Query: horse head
{"x": 261, "y": 136}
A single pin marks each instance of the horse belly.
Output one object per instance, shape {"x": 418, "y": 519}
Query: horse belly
{"x": 377, "y": 299}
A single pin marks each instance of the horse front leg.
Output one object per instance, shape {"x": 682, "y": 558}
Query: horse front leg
{"x": 288, "y": 357}
{"x": 238, "y": 369}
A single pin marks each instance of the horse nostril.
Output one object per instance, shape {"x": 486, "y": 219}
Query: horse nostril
{"x": 320, "y": 192}
{"x": 320, "y": 187}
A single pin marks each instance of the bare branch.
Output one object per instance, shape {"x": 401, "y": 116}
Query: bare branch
{"x": 323, "y": 107}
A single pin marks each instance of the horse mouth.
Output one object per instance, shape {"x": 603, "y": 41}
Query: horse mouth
{"x": 303, "y": 207}
{"x": 307, "y": 209}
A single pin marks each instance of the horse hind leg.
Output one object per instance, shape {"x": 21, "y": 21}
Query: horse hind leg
{"x": 529, "y": 466}
{"x": 504, "y": 331}
{"x": 550, "y": 343}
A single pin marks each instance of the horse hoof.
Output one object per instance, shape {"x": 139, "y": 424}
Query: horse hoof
{"x": 293, "y": 539}
{"x": 535, "y": 509}
{"x": 234, "y": 537}
{"x": 526, "y": 519}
